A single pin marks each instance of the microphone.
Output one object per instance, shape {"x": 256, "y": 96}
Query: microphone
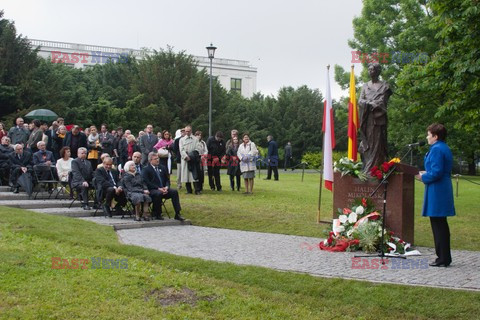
{"x": 416, "y": 144}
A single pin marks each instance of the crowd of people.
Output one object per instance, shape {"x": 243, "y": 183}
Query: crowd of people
{"x": 125, "y": 167}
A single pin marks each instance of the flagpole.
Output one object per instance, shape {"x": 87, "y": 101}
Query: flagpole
{"x": 319, "y": 209}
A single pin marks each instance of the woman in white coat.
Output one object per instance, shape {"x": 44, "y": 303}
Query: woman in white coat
{"x": 247, "y": 153}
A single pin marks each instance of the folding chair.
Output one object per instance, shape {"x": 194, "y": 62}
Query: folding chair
{"x": 45, "y": 179}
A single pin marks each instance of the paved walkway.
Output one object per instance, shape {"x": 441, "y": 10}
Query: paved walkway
{"x": 301, "y": 254}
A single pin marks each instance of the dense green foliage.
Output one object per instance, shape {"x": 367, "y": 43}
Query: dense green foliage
{"x": 443, "y": 88}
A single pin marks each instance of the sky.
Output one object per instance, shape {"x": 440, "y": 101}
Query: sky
{"x": 289, "y": 42}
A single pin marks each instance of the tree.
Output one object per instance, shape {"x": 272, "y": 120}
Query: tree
{"x": 17, "y": 64}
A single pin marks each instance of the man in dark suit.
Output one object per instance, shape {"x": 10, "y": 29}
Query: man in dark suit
{"x": 272, "y": 159}
{"x": 216, "y": 151}
{"x": 157, "y": 180}
{"x": 106, "y": 140}
{"x": 108, "y": 179}
{"x": 147, "y": 142}
{"x": 43, "y": 161}
{"x": 75, "y": 139}
{"x": 20, "y": 163}
{"x": 178, "y": 156}
{"x": 82, "y": 175}
{"x": 18, "y": 133}
{"x": 137, "y": 159}
{"x": 51, "y": 133}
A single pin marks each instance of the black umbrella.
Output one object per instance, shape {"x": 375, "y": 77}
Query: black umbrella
{"x": 25, "y": 181}
{"x": 42, "y": 114}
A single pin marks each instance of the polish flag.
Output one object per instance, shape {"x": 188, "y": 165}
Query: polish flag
{"x": 328, "y": 137}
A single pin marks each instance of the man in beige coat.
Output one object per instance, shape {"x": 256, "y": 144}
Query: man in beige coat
{"x": 188, "y": 145}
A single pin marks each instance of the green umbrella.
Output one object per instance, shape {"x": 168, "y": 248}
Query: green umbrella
{"x": 42, "y": 114}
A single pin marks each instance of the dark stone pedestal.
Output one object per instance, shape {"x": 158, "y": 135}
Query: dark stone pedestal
{"x": 400, "y": 199}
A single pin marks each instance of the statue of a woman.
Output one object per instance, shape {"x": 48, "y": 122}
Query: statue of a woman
{"x": 373, "y": 119}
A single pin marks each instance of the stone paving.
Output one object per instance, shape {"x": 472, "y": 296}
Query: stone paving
{"x": 276, "y": 251}
{"x": 301, "y": 254}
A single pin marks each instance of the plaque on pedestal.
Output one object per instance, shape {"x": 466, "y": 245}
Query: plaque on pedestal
{"x": 400, "y": 198}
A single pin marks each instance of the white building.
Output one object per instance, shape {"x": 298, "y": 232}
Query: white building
{"x": 237, "y": 75}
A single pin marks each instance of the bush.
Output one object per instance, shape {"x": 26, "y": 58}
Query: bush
{"x": 315, "y": 159}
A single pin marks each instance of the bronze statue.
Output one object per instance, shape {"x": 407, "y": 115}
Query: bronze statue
{"x": 373, "y": 119}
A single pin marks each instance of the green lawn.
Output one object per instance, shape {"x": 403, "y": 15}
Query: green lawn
{"x": 289, "y": 206}
{"x": 162, "y": 286}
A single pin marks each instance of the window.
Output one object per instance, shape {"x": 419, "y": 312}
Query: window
{"x": 236, "y": 85}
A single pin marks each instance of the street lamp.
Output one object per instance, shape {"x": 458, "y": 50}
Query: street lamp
{"x": 211, "y": 54}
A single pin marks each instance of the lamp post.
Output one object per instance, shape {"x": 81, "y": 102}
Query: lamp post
{"x": 211, "y": 54}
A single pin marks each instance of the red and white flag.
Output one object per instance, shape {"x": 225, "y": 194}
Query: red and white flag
{"x": 328, "y": 137}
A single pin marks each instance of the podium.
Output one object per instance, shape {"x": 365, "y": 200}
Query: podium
{"x": 400, "y": 198}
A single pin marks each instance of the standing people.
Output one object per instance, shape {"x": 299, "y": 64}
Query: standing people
{"x": 178, "y": 157}
{"x": 190, "y": 149}
{"x": 373, "y": 119}
{"x": 288, "y": 156}
{"x": 272, "y": 159}
{"x": 203, "y": 156}
{"x": 216, "y": 151}
{"x": 146, "y": 143}
{"x": 106, "y": 140}
{"x": 164, "y": 148}
{"x": 35, "y": 137}
{"x": 3, "y": 131}
{"x": 438, "y": 198}
{"x": 234, "y": 164}
{"x": 247, "y": 154}
{"x": 75, "y": 139}
{"x": 122, "y": 148}
{"x": 18, "y": 133}
{"x": 59, "y": 136}
{"x": 93, "y": 146}
{"x": 233, "y": 134}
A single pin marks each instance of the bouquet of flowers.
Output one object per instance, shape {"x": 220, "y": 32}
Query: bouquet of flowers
{"x": 360, "y": 228}
{"x": 380, "y": 172}
{"x": 349, "y": 167}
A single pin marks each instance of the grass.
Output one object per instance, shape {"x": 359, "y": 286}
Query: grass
{"x": 289, "y": 206}
{"x": 162, "y": 286}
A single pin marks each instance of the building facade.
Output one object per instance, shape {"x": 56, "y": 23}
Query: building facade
{"x": 233, "y": 75}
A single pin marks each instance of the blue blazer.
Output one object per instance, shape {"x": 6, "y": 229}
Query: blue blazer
{"x": 438, "y": 198}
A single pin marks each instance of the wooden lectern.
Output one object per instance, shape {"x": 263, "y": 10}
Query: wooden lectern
{"x": 400, "y": 198}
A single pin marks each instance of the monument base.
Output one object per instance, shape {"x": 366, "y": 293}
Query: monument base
{"x": 400, "y": 200}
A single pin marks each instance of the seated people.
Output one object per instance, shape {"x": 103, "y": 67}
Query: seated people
{"x": 136, "y": 190}
{"x": 5, "y": 151}
{"x": 108, "y": 180}
{"x": 20, "y": 163}
{"x": 158, "y": 182}
{"x": 43, "y": 160}
{"x": 137, "y": 160}
{"x": 82, "y": 175}
{"x": 64, "y": 164}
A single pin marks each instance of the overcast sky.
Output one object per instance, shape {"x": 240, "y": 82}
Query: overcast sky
{"x": 289, "y": 42}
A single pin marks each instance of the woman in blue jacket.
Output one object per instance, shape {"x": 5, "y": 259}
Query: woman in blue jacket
{"x": 438, "y": 199}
